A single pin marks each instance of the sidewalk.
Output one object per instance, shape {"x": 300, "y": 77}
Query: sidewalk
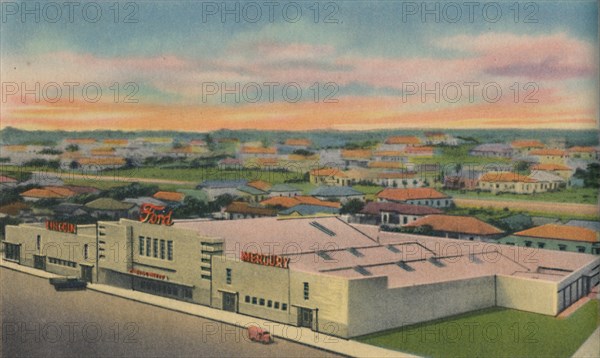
{"x": 591, "y": 347}
{"x": 279, "y": 330}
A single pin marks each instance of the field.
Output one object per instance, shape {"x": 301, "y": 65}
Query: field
{"x": 494, "y": 332}
{"x": 570, "y": 195}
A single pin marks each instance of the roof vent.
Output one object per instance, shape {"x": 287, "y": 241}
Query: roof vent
{"x": 322, "y": 228}
{"x": 324, "y": 255}
{"x": 405, "y": 266}
{"x": 393, "y": 249}
{"x": 361, "y": 270}
{"x": 436, "y": 262}
{"x": 355, "y": 252}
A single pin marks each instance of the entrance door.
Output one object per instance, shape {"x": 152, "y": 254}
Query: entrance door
{"x": 39, "y": 262}
{"x": 229, "y": 303}
{"x": 86, "y": 273}
{"x": 305, "y": 317}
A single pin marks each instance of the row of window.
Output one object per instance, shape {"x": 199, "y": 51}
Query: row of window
{"x": 156, "y": 248}
{"x": 541, "y": 245}
{"x": 61, "y": 262}
{"x": 269, "y": 303}
{"x": 426, "y": 202}
{"x": 165, "y": 289}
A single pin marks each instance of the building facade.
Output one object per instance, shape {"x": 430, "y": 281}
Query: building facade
{"x": 319, "y": 273}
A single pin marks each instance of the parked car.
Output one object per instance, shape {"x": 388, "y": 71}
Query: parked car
{"x": 257, "y": 334}
{"x": 68, "y": 283}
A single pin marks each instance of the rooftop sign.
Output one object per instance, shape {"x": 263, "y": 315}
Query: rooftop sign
{"x": 265, "y": 260}
{"x": 155, "y": 214}
{"x": 61, "y": 226}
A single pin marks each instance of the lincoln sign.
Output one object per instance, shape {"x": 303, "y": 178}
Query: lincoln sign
{"x": 265, "y": 260}
{"x": 61, "y": 226}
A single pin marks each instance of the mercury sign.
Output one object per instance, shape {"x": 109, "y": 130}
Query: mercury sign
{"x": 155, "y": 214}
{"x": 265, "y": 260}
{"x": 61, "y": 226}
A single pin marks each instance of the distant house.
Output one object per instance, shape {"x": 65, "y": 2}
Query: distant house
{"x": 169, "y": 196}
{"x": 248, "y": 152}
{"x": 548, "y": 181}
{"x": 563, "y": 171}
{"x": 556, "y": 156}
{"x": 299, "y": 143}
{"x": 242, "y": 210}
{"x": 508, "y": 182}
{"x": 48, "y": 192}
{"x": 215, "y": 188}
{"x": 392, "y": 214}
{"x": 309, "y": 210}
{"x": 457, "y": 227}
{"x": 337, "y": 193}
{"x": 526, "y": 145}
{"x": 230, "y": 163}
{"x": 457, "y": 182}
{"x": 497, "y": 150}
{"x": 385, "y": 165}
{"x": 585, "y": 153}
{"x": 69, "y": 210}
{"x": 415, "y": 196}
{"x": 591, "y": 225}
{"x": 260, "y": 184}
{"x": 399, "y": 180}
{"x": 288, "y": 202}
{"x": 400, "y": 142}
{"x": 251, "y": 193}
{"x": 101, "y": 163}
{"x": 7, "y": 182}
{"x": 357, "y": 157}
{"x": 284, "y": 190}
{"x": 557, "y": 237}
{"x": 110, "y": 208}
{"x": 327, "y": 176}
{"x": 394, "y": 156}
{"x": 424, "y": 151}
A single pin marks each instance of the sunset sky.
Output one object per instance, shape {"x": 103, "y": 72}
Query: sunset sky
{"x": 374, "y": 63}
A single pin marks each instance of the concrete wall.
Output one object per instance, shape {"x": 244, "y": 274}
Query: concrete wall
{"x": 527, "y": 294}
{"x": 373, "y": 307}
{"x": 55, "y": 245}
{"x": 247, "y": 279}
{"x": 328, "y": 294}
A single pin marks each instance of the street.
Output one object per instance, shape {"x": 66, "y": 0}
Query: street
{"x": 39, "y": 321}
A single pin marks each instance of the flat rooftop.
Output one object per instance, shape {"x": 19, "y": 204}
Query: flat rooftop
{"x": 330, "y": 246}
{"x": 408, "y": 260}
{"x": 280, "y": 236}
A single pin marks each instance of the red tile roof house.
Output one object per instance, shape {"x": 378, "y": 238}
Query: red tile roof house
{"x": 416, "y": 196}
{"x": 457, "y": 227}
{"x": 240, "y": 210}
{"x": 557, "y": 237}
{"x": 392, "y": 214}
{"x": 7, "y": 182}
{"x": 47, "y": 193}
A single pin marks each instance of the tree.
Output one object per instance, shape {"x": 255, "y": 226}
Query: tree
{"x": 72, "y": 148}
{"x": 74, "y": 165}
{"x": 220, "y": 201}
{"x": 191, "y": 208}
{"x": 352, "y": 206}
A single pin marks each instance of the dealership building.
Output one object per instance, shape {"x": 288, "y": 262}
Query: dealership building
{"x": 343, "y": 279}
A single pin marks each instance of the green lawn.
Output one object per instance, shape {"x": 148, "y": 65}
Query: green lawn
{"x": 370, "y": 191}
{"x": 200, "y": 174}
{"x": 570, "y": 195}
{"x": 495, "y": 332}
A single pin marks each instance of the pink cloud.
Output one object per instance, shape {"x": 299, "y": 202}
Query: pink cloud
{"x": 551, "y": 57}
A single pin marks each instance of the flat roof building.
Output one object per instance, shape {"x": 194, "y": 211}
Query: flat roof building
{"x": 321, "y": 273}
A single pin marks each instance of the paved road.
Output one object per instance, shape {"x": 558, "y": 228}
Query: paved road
{"x": 37, "y": 321}
{"x": 539, "y": 206}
